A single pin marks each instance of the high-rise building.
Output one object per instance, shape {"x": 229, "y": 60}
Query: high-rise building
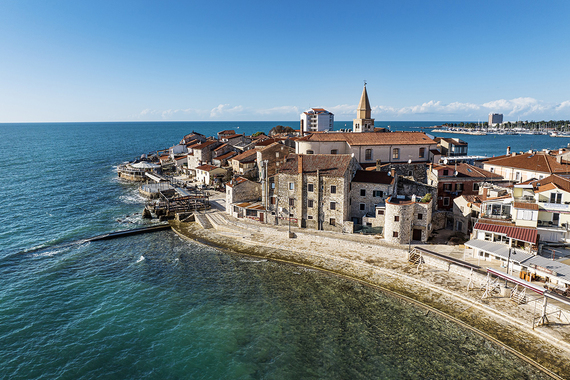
{"x": 495, "y": 118}
{"x": 317, "y": 120}
{"x": 363, "y": 121}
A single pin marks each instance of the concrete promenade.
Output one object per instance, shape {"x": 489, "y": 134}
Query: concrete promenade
{"x": 377, "y": 263}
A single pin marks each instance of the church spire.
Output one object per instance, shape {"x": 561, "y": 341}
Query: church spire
{"x": 364, "y": 111}
{"x": 363, "y": 121}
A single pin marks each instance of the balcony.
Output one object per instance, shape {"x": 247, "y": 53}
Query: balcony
{"x": 555, "y": 207}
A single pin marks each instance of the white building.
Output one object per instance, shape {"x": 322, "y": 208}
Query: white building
{"x": 317, "y": 120}
{"x": 495, "y": 118}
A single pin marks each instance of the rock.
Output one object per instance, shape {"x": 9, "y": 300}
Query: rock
{"x": 146, "y": 214}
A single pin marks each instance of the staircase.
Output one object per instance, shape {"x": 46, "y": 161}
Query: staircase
{"x": 519, "y": 295}
{"x": 203, "y": 221}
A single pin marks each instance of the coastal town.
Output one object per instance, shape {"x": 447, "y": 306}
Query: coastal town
{"x": 494, "y": 220}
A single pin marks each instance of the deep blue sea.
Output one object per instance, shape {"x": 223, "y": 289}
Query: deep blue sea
{"x": 157, "y": 307}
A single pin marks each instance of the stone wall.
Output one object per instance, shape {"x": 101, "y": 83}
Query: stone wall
{"x": 414, "y": 171}
{"x": 368, "y": 199}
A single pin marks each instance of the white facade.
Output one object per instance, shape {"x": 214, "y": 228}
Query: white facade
{"x": 317, "y": 120}
{"x": 495, "y": 118}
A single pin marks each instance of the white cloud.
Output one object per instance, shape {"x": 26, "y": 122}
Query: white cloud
{"x": 225, "y": 109}
{"x": 282, "y": 110}
{"x": 523, "y": 107}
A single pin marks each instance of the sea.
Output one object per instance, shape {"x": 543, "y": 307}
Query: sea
{"x": 155, "y": 306}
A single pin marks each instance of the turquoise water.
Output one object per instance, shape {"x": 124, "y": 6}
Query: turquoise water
{"x": 157, "y": 307}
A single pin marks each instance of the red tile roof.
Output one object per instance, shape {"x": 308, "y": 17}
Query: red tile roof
{"x": 247, "y": 156}
{"x": 372, "y": 138}
{"x": 203, "y": 145}
{"x": 224, "y": 156}
{"x": 528, "y": 235}
{"x": 207, "y": 167}
{"x": 333, "y": 165}
{"x": 466, "y": 170}
{"x": 535, "y": 161}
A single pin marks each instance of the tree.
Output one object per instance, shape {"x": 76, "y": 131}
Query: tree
{"x": 258, "y": 134}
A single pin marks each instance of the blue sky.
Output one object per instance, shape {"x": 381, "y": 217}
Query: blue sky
{"x": 254, "y": 60}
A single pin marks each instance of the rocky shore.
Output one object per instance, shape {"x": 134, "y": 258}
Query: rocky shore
{"x": 372, "y": 261}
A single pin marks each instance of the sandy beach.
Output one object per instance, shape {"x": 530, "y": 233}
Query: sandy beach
{"x": 374, "y": 262}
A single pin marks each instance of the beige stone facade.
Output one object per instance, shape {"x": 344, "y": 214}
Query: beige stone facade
{"x": 407, "y": 220}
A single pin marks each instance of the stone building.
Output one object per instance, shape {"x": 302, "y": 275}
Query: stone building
{"x": 369, "y": 189}
{"x": 311, "y": 191}
{"x": 201, "y": 154}
{"x": 240, "y": 191}
{"x": 407, "y": 219}
{"x": 244, "y": 162}
{"x": 275, "y": 156}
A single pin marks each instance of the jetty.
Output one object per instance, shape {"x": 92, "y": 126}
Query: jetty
{"x": 136, "y": 231}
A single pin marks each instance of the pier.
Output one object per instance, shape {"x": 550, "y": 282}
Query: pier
{"x": 136, "y": 231}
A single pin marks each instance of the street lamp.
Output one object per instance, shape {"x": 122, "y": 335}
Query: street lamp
{"x": 508, "y": 262}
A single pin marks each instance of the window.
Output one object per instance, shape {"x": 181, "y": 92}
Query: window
{"x": 333, "y": 205}
{"x": 422, "y": 152}
{"x": 273, "y": 185}
{"x": 475, "y": 187}
{"x": 310, "y": 152}
{"x": 310, "y": 203}
{"x": 447, "y": 187}
{"x": 555, "y": 198}
{"x": 368, "y": 154}
{"x": 291, "y": 202}
{"x": 273, "y": 200}
{"x": 362, "y": 207}
{"x": 333, "y": 189}
{"x": 396, "y": 218}
{"x": 310, "y": 187}
{"x": 446, "y": 201}
{"x": 410, "y": 173}
{"x": 291, "y": 186}
{"x": 420, "y": 216}
{"x": 492, "y": 170}
{"x": 517, "y": 176}
{"x": 251, "y": 212}
{"x": 276, "y": 154}
{"x": 446, "y": 172}
{"x": 332, "y": 222}
{"x": 377, "y": 193}
{"x": 309, "y": 216}
{"x": 394, "y": 234}
{"x": 334, "y": 151}
{"x": 396, "y": 154}
{"x": 459, "y": 187}
{"x": 362, "y": 192}
{"x": 380, "y": 212}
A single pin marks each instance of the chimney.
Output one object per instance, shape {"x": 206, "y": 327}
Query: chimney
{"x": 393, "y": 172}
{"x": 378, "y": 165}
{"x": 300, "y": 164}
{"x": 508, "y": 150}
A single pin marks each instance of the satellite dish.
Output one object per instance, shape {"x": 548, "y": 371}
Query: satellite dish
{"x": 445, "y": 161}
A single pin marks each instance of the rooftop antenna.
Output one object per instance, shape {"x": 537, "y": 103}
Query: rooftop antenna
{"x": 364, "y": 82}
